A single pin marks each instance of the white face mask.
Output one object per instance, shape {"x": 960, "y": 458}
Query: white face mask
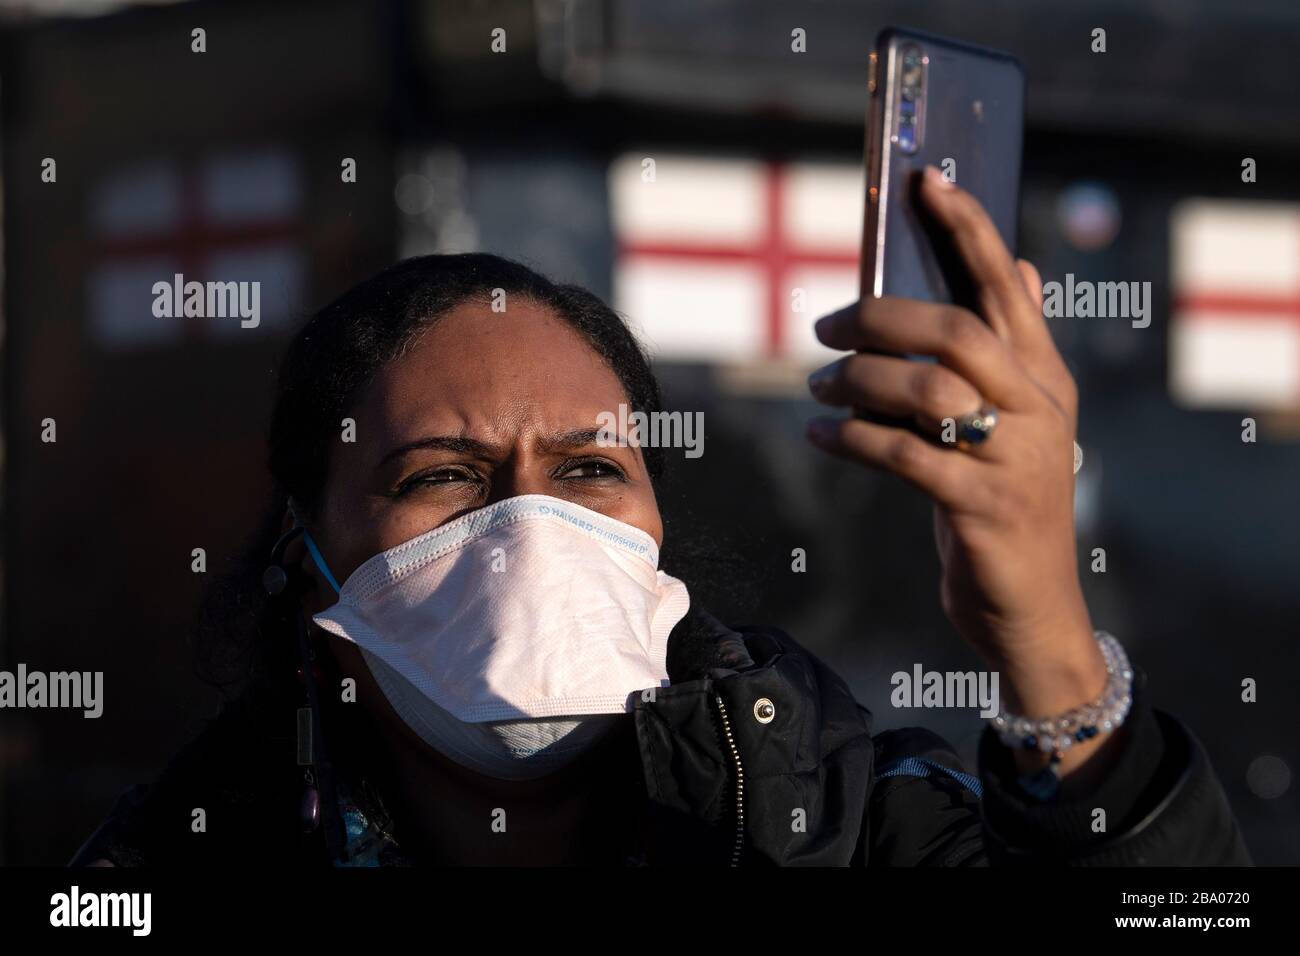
{"x": 512, "y": 638}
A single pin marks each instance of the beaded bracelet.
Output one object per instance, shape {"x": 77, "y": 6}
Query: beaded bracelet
{"x": 1107, "y": 712}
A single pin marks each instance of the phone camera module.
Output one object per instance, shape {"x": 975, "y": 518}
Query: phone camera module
{"x": 912, "y": 64}
{"x": 911, "y": 97}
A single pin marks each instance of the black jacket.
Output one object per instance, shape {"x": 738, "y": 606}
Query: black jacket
{"x": 757, "y": 754}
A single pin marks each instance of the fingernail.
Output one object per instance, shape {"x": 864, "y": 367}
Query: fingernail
{"x": 823, "y": 325}
{"x": 820, "y": 430}
{"x": 819, "y": 379}
{"x": 933, "y": 174}
{"x": 820, "y": 326}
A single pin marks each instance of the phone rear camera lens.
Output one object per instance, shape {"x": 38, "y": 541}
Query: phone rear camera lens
{"x": 911, "y": 69}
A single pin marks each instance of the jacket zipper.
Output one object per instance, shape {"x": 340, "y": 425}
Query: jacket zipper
{"x": 740, "y": 783}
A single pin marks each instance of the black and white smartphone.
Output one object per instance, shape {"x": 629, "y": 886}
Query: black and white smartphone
{"x": 942, "y": 103}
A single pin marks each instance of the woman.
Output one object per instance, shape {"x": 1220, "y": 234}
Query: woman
{"x": 495, "y": 670}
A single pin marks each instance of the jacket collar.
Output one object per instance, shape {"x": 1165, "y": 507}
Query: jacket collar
{"x": 751, "y": 729}
{"x": 701, "y": 646}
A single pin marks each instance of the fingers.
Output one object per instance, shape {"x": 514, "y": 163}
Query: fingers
{"x": 1042, "y": 358}
{"x": 920, "y": 391}
{"x": 1033, "y": 282}
{"x": 999, "y": 284}
{"x": 945, "y": 476}
{"x": 955, "y": 336}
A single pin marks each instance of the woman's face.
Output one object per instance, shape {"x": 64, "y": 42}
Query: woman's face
{"x": 487, "y": 405}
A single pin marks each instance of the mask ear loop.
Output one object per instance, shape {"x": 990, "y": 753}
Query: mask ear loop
{"x": 317, "y": 558}
{"x": 319, "y": 807}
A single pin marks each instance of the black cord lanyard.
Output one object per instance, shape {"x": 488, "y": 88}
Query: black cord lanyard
{"x": 318, "y": 775}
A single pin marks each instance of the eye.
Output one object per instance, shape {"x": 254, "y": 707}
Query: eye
{"x": 590, "y": 468}
{"x": 447, "y": 475}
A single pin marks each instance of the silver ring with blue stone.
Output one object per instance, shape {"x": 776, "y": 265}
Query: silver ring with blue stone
{"x": 975, "y": 428}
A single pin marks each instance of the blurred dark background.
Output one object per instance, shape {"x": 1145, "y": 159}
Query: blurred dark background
{"x": 226, "y": 165}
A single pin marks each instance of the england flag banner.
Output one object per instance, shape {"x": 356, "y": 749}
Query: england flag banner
{"x": 1235, "y": 334}
{"x": 730, "y": 260}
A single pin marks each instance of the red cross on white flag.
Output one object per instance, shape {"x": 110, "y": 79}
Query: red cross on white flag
{"x": 233, "y": 217}
{"x": 1235, "y": 334}
{"x": 732, "y": 260}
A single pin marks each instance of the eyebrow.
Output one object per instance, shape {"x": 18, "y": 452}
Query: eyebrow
{"x": 571, "y": 439}
{"x": 559, "y": 441}
{"x": 457, "y": 443}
